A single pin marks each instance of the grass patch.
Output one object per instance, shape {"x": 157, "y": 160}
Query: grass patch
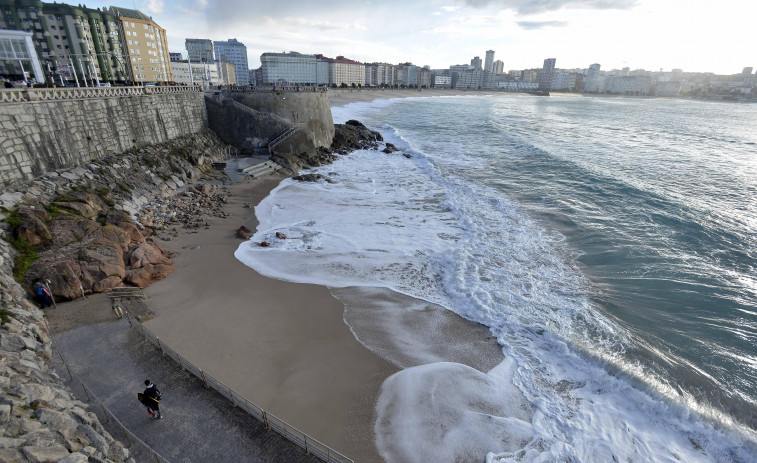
{"x": 4, "y": 314}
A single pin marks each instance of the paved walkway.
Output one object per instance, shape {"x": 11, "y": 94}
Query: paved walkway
{"x": 198, "y": 425}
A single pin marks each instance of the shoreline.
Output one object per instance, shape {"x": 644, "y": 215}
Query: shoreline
{"x": 287, "y": 346}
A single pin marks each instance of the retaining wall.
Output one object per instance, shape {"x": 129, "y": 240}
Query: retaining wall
{"x": 49, "y": 129}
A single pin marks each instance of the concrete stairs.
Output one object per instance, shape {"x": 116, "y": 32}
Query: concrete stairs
{"x": 260, "y": 169}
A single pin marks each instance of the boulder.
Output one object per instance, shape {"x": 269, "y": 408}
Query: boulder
{"x": 145, "y": 276}
{"x": 147, "y": 254}
{"x": 109, "y": 282}
{"x": 32, "y": 226}
{"x": 45, "y": 454}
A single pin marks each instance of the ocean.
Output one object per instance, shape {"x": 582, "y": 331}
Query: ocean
{"x": 608, "y": 244}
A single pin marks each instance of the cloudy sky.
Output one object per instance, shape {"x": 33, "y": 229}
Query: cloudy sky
{"x": 694, "y": 35}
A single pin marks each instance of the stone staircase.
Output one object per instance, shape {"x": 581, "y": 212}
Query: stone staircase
{"x": 260, "y": 169}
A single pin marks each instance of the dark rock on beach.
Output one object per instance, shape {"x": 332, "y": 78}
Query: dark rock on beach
{"x": 312, "y": 178}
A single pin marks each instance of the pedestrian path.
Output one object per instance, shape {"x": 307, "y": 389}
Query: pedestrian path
{"x": 198, "y": 425}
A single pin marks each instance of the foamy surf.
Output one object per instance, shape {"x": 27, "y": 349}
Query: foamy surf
{"x": 416, "y": 227}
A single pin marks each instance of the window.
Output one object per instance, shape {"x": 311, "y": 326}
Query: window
{"x": 56, "y": 37}
{"x": 53, "y": 27}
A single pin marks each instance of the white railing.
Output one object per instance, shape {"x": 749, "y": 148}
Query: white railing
{"x": 17, "y": 95}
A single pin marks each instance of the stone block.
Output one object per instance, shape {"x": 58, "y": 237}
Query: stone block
{"x": 5, "y": 413}
{"x": 55, "y": 420}
{"x": 10, "y": 456}
{"x": 75, "y": 458}
{"x": 39, "y": 454}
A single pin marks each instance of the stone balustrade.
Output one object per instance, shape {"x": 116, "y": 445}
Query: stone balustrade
{"x": 18, "y": 95}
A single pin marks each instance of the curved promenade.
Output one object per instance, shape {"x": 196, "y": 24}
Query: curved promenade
{"x": 199, "y": 424}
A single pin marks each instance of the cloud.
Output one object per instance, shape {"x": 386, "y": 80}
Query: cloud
{"x": 155, "y": 6}
{"x": 540, "y": 24}
{"x": 539, "y": 6}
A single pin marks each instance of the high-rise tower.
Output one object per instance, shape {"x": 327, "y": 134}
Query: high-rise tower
{"x": 488, "y": 64}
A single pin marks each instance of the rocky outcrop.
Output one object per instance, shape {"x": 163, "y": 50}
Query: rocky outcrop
{"x": 353, "y": 135}
{"x": 348, "y": 137}
{"x": 76, "y": 228}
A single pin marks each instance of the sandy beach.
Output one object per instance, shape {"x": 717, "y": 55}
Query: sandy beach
{"x": 286, "y": 346}
{"x": 341, "y": 97}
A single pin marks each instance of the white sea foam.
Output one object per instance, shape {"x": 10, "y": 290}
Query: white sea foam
{"x": 411, "y": 225}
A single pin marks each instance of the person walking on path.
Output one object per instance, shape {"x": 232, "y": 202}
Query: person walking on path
{"x": 150, "y": 398}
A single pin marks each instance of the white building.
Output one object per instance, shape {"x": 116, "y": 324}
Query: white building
{"x": 442, "y": 81}
{"x": 344, "y": 71}
{"x": 289, "y": 68}
{"x": 235, "y": 52}
{"x": 17, "y": 48}
{"x": 205, "y": 74}
{"x": 498, "y": 67}
{"x": 489, "y": 61}
{"x": 591, "y": 83}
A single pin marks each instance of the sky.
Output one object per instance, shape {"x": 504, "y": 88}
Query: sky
{"x": 693, "y": 35}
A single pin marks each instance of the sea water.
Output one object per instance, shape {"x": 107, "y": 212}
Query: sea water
{"x": 609, "y": 245}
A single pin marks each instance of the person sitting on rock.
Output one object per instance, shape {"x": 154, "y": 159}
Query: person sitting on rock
{"x": 42, "y": 295}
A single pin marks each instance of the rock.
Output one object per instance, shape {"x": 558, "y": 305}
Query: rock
{"x": 55, "y": 420}
{"x": 145, "y": 276}
{"x": 74, "y": 439}
{"x": 75, "y": 458}
{"x": 10, "y": 456}
{"x": 312, "y": 178}
{"x": 281, "y": 236}
{"x": 97, "y": 441}
{"x": 389, "y": 148}
{"x": 243, "y": 233}
{"x": 147, "y": 254}
{"x": 5, "y": 413}
{"x": 107, "y": 283}
{"x": 45, "y": 454}
{"x": 264, "y": 244}
{"x": 407, "y": 155}
{"x": 32, "y": 226}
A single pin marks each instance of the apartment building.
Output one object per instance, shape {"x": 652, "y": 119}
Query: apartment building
{"x": 199, "y": 50}
{"x": 234, "y": 51}
{"x": 204, "y": 74}
{"x": 73, "y": 43}
{"x": 145, "y": 45}
{"x": 344, "y": 71}
{"x": 292, "y": 68}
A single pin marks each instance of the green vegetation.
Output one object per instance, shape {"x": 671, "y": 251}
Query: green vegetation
{"x": 4, "y": 314}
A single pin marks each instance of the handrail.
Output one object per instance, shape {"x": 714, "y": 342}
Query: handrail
{"x": 277, "y": 141}
{"x": 309, "y": 444}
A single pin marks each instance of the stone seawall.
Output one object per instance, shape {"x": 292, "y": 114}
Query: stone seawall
{"x": 269, "y": 115}
{"x": 40, "y": 136}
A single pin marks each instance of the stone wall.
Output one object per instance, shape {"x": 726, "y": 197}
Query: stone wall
{"x": 308, "y": 111}
{"x": 40, "y": 136}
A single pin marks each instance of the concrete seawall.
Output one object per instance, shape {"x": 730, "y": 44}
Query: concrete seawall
{"x": 39, "y": 136}
{"x": 268, "y": 115}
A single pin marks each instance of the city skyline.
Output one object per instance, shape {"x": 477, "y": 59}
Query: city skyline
{"x": 653, "y": 35}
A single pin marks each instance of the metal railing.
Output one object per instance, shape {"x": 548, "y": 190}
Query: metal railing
{"x": 20, "y": 95}
{"x": 135, "y": 443}
{"x": 274, "y": 89}
{"x": 311, "y": 445}
{"x": 277, "y": 141}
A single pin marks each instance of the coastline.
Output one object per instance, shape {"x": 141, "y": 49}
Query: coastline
{"x": 288, "y": 346}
